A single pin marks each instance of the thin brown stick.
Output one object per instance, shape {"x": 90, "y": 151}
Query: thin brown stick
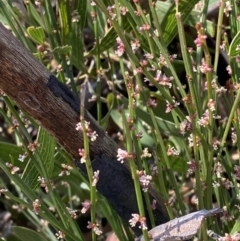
{"x": 35, "y": 90}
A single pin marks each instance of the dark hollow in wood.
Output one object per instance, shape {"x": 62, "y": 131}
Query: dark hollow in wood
{"x": 53, "y": 106}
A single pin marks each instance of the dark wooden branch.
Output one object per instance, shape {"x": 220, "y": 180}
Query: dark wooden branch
{"x": 53, "y": 106}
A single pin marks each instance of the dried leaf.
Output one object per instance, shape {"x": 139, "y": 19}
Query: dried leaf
{"x": 182, "y": 228}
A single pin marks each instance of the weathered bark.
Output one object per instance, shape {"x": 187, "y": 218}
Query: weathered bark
{"x": 53, "y": 106}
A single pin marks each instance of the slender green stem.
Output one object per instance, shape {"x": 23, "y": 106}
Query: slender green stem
{"x": 188, "y": 65}
{"x": 130, "y": 148}
{"x": 88, "y": 163}
{"x": 219, "y": 35}
{"x": 98, "y": 65}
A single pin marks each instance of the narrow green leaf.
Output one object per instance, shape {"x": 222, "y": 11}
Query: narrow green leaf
{"x": 65, "y": 21}
{"x": 194, "y": 19}
{"x": 82, "y": 11}
{"x": 46, "y": 153}
{"x": 62, "y": 49}
{"x": 7, "y": 150}
{"x": 76, "y": 41}
{"x": 163, "y": 8}
{"x": 35, "y": 14}
{"x": 169, "y": 23}
{"x": 101, "y": 23}
{"x": 107, "y": 42}
{"x": 46, "y": 149}
{"x": 27, "y": 234}
{"x": 11, "y": 237}
{"x": 36, "y": 34}
{"x": 234, "y": 48}
{"x": 236, "y": 227}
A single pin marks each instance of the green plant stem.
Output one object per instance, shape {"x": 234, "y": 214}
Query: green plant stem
{"x": 130, "y": 149}
{"x": 188, "y": 65}
{"x": 230, "y": 118}
{"x": 162, "y": 185}
{"x": 88, "y": 163}
{"x": 136, "y": 144}
{"x": 219, "y": 35}
{"x": 98, "y": 66}
{"x": 145, "y": 21}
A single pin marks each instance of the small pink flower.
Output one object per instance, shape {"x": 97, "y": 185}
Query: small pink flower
{"x": 21, "y": 158}
{"x": 72, "y": 213}
{"x": 144, "y": 27}
{"x": 60, "y": 235}
{"x": 36, "y": 206}
{"x": 145, "y": 153}
{"x": 138, "y": 70}
{"x": 185, "y": 126}
{"x": 163, "y": 80}
{"x": 228, "y": 8}
{"x": 94, "y": 227}
{"x": 135, "y": 45}
{"x": 233, "y": 136}
{"x": 120, "y": 47}
{"x": 83, "y": 155}
{"x": 170, "y": 107}
{"x": 223, "y": 46}
{"x": 137, "y": 13}
{"x": 172, "y": 151}
{"x": 216, "y": 144}
{"x": 219, "y": 169}
{"x": 2, "y": 191}
{"x": 204, "y": 121}
{"x": 95, "y": 178}
{"x": 162, "y": 61}
{"x": 86, "y": 205}
{"x": 148, "y": 56}
{"x": 15, "y": 124}
{"x": 32, "y": 146}
{"x": 136, "y": 218}
{"x": 122, "y": 155}
{"x": 190, "y": 141}
{"x": 204, "y": 68}
{"x": 229, "y": 70}
{"x": 226, "y": 183}
{"x": 200, "y": 40}
{"x": 13, "y": 169}
{"x": 211, "y": 105}
{"x": 43, "y": 184}
{"x": 237, "y": 172}
{"x": 91, "y": 134}
{"x": 144, "y": 180}
{"x": 111, "y": 11}
{"x": 192, "y": 167}
{"x": 123, "y": 10}
{"x": 152, "y": 103}
{"x": 66, "y": 170}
